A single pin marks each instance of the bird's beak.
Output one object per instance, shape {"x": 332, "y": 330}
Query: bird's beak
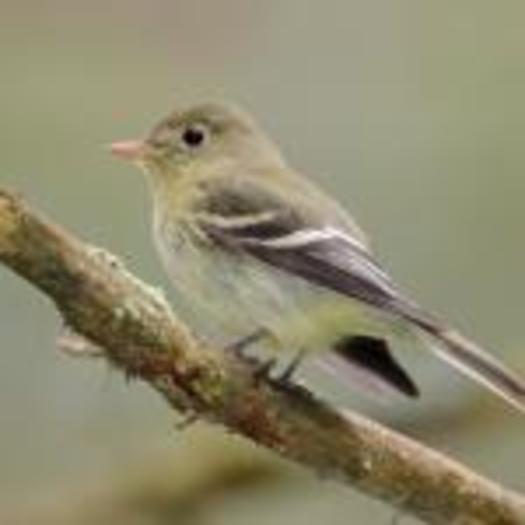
{"x": 129, "y": 150}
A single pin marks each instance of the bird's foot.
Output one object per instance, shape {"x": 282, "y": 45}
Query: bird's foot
{"x": 263, "y": 369}
{"x": 239, "y": 346}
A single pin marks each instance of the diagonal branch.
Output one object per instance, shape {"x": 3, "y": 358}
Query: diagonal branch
{"x": 139, "y": 333}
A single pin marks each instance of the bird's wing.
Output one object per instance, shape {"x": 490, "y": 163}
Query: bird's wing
{"x": 324, "y": 251}
{"x": 320, "y": 249}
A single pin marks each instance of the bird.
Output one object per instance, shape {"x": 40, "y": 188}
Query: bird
{"x": 264, "y": 256}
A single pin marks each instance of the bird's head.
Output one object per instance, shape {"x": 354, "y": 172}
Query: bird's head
{"x": 203, "y": 140}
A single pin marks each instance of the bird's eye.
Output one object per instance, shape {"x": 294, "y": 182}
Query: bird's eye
{"x": 193, "y": 136}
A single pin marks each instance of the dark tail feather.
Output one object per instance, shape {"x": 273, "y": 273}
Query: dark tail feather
{"x": 473, "y": 361}
{"x": 372, "y": 356}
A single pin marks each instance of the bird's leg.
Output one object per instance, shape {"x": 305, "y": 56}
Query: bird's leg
{"x": 291, "y": 368}
{"x": 264, "y": 367}
{"x": 238, "y": 346}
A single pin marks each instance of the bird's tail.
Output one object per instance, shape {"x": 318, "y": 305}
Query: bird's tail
{"x": 473, "y": 361}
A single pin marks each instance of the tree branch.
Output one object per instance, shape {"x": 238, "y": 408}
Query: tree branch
{"x": 139, "y": 333}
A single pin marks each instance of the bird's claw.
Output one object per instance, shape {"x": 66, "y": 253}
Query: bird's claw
{"x": 263, "y": 370}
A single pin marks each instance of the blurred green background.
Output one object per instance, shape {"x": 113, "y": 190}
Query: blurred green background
{"x": 411, "y": 111}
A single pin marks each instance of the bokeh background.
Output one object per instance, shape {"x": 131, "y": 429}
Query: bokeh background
{"x": 411, "y": 111}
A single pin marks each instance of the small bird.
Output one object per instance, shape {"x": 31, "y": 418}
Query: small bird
{"x": 264, "y": 257}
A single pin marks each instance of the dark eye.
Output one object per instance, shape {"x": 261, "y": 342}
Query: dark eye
{"x": 193, "y": 136}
